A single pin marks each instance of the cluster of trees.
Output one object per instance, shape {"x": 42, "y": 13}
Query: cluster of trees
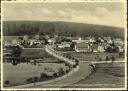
{"x": 16, "y": 28}
{"x": 15, "y": 50}
{"x": 45, "y": 76}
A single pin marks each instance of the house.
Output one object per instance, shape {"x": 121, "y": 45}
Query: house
{"x": 118, "y": 41}
{"x": 121, "y": 48}
{"x": 101, "y": 48}
{"x": 25, "y": 37}
{"x": 64, "y": 46}
{"x": 108, "y": 39}
{"x": 106, "y": 45}
{"x": 82, "y": 47}
{"x": 51, "y": 40}
{"x": 31, "y": 42}
{"x": 92, "y": 39}
{"x": 94, "y": 48}
{"x": 101, "y": 39}
{"x": 37, "y": 42}
{"x": 47, "y": 37}
{"x": 37, "y": 37}
{"x": 15, "y": 41}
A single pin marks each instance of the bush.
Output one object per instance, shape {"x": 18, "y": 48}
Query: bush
{"x": 7, "y": 82}
{"x": 66, "y": 64}
{"x": 113, "y": 58}
{"x": 107, "y": 58}
{"x": 29, "y": 80}
{"x": 35, "y": 79}
{"x": 74, "y": 65}
{"x": 67, "y": 71}
{"x": 61, "y": 72}
{"x": 55, "y": 74}
{"x": 43, "y": 77}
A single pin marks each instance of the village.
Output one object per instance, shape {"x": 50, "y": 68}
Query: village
{"x": 63, "y": 45}
{"x": 58, "y": 50}
{"x": 67, "y": 45}
{"x": 77, "y": 44}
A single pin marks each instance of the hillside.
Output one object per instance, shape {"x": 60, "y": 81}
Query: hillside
{"x": 16, "y": 28}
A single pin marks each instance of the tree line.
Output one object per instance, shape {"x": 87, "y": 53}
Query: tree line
{"x": 19, "y": 28}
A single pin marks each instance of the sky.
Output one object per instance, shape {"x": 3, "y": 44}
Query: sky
{"x": 101, "y": 13}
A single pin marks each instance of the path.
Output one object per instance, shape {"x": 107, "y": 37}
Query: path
{"x": 83, "y": 72}
{"x": 100, "y": 62}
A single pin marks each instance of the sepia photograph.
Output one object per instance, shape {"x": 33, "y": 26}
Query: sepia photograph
{"x": 65, "y": 45}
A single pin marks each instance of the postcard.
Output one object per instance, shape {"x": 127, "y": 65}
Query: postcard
{"x": 63, "y": 45}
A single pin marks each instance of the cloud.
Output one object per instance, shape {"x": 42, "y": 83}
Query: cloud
{"x": 99, "y": 15}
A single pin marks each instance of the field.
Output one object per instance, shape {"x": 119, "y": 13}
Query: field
{"x": 92, "y": 56}
{"x": 9, "y": 39}
{"x": 35, "y": 53}
{"x": 18, "y": 74}
{"x": 106, "y": 75}
{"x": 83, "y": 71}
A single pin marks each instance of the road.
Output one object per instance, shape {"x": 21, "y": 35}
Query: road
{"x": 83, "y": 72}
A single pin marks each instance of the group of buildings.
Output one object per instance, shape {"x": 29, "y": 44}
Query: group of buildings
{"x": 78, "y": 44}
{"x": 91, "y": 44}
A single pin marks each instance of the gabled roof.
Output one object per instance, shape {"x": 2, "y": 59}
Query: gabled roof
{"x": 82, "y": 45}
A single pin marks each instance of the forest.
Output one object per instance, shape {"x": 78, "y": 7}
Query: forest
{"x": 19, "y": 28}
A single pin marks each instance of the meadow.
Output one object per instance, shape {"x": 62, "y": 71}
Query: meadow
{"x": 92, "y": 56}
{"x": 104, "y": 76}
{"x": 18, "y": 74}
{"x": 35, "y": 53}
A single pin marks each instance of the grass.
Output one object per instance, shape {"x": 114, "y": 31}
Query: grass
{"x": 18, "y": 74}
{"x": 105, "y": 74}
{"x": 28, "y": 52}
{"x": 91, "y": 56}
{"x": 34, "y": 53}
{"x": 111, "y": 75}
{"x": 83, "y": 71}
{"x": 9, "y": 39}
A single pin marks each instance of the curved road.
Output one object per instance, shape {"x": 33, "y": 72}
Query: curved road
{"x": 83, "y": 72}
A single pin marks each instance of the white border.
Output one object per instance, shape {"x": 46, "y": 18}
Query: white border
{"x": 65, "y": 1}
{"x": 68, "y": 1}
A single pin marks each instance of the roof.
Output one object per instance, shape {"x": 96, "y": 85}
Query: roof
{"x": 82, "y": 45}
{"x": 103, "y": 44}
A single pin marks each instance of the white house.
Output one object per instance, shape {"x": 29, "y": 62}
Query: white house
{"x": 101, "y": 48}
{"x": 92, "y": 39}
{"x": 101, "y": 39}
{"x": 52, "y": 40}
{"x": 121, "y": 49}
{"x": 64, "y": 45}
{"x": 31, "y": 41}
{"x": 118, "y": 41}
{"x": 15, "y": 41}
